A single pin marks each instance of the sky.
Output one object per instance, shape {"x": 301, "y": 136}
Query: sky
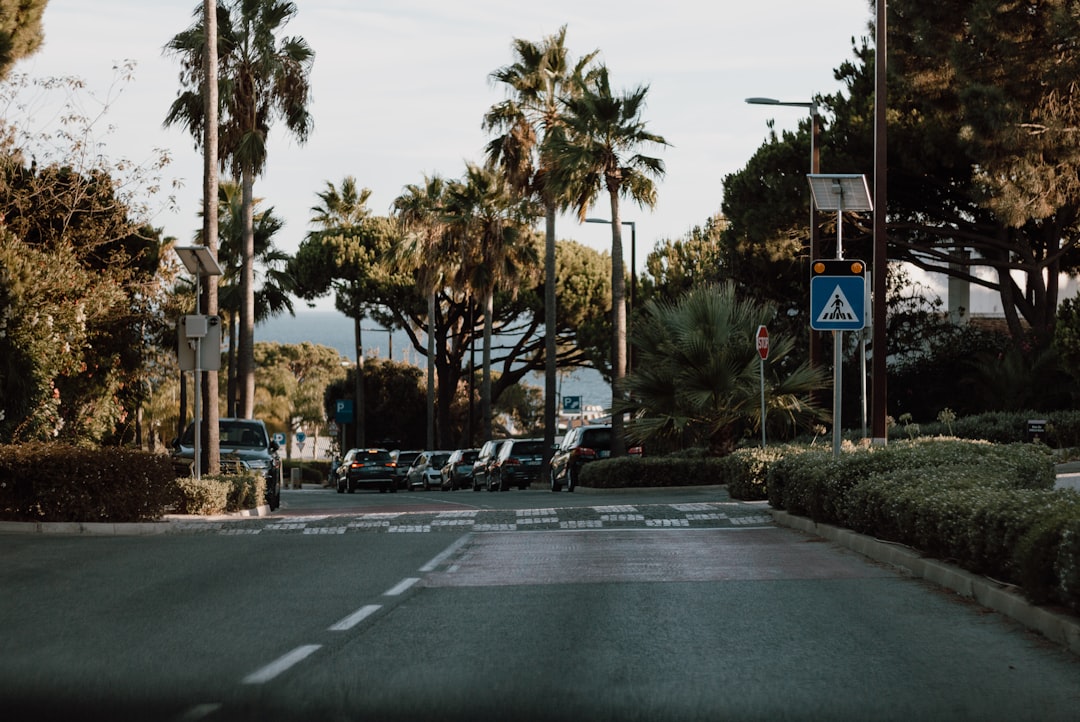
{"x": 399, "y": 89}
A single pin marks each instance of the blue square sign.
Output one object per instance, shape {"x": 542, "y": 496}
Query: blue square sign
{"x": 838, "y": 295}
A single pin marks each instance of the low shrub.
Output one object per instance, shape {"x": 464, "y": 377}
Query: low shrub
{"x": 219, "y": 493}
{"x": 205, "y": 496}
{"x": 989, "y": 508}
{"x": 63, "y": 483}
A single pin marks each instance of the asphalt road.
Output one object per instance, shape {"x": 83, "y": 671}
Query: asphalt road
{"x": 321, "y": 613}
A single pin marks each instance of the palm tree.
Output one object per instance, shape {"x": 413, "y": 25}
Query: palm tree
{"x": 699, "y": 380}
{"x": 490, "y": 222}
{"x": 427, "y": 250}
{"x": 541, "y": 75}
{"x": 342, "y": 211}
{"x": 260, "y": 81}
{"x": 274, "y": 296}
{"x": 596, "y": 149}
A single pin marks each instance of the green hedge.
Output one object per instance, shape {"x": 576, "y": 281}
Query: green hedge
{"x": 990, "y": 508}
{"x": 63, "y": 483}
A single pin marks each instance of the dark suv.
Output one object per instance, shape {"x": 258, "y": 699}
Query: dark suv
{"x": 517, "y": 464}
{"x": 581, "y": 445}
{"x": 366, "y": 467}
{"x": 244, "y": 444}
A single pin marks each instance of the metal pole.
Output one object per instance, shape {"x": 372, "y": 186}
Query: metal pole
{"x": 880, "y": 342}
{"x": 838, "y": 341}
{"x": 762, "y": 403}
{"x": 198, "y": 385}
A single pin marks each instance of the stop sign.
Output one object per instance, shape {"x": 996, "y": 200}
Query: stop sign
{"x": 762, "y": 339}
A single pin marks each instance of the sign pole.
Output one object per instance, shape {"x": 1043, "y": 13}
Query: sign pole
{"x": 761, "y": 340}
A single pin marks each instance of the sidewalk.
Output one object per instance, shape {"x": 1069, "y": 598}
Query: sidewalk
{"x": 1068, "y": 475}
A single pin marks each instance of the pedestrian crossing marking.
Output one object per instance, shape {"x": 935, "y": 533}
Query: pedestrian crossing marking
{"x": 838, "y": 308}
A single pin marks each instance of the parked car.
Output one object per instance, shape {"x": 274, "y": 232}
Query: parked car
{"x": 244, "y": 444}
{"x": 426, "y": 470}
{"x": 517, "y": 464}
{"x": 402, "y": 461}
{"x": 457, "y": 471}
{"x": 581, "y": 445}
{"x": 484, "y": 460}
{"x": 365, "y": 468}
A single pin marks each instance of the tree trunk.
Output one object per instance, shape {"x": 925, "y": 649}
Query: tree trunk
{"x": 246, "y": 351}
{"x": 211, "y": 434}
{"x": 550, "y": 348}
{"x": 618, "y": 328}
{"x": 361, "y": 432}
{"x": 485, "y": 382}
{"x": 431, "y": 371}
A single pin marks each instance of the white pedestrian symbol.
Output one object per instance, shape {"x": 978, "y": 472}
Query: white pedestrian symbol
{"x": 839, "y": 309}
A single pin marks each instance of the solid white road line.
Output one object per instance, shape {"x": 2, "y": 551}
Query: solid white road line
{"x": 400, "y": 587}
{"x": 445, "y": 553}
{"x": 355, "y": 618}
{"x": 267, "y": 673}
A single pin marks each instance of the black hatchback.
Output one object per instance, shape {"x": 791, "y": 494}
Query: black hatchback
{"x": 366, "y": 468}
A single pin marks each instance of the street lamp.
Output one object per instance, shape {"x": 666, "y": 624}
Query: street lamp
{"x": 633, "y": 275}
{"x": 815, "y": 168}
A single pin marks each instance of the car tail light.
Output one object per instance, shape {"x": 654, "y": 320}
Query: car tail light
{"x": 512, "y": 461}
{"x": 584, "y": 452}
{"x": 635, "y": 451}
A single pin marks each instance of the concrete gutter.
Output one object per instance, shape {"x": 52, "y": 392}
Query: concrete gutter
{"x": 1057, "y": 627}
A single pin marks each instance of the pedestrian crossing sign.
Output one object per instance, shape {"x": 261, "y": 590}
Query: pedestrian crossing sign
{"x": 838, "y": 295}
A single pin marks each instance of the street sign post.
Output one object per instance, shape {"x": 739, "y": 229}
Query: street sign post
{"x": 761, "y": 339}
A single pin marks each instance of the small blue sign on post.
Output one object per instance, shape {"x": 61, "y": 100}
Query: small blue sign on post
{"x": 343, "y": 411}
{"x": 838, "y": 295}
{"x": 571, "y": 404}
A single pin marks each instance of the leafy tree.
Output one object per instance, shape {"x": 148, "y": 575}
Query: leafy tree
{"x": 261, "y": 81}
{"x": 394, "y": 402}
{"x": 427, "y": 250}
{"x": 698, "y": 383}
{"x": 20, "y": 31}
{"x": 980, "y": 128}
{"x": 293, "y": 379}
{"x": 490, "y": 223}
{"x": 344, "y": 254}
{"x": 540, "y": 76}
{"x": 597, "y": 149}
{"x": 273, "y": 297}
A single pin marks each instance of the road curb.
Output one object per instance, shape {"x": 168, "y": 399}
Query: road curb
{"x": 1059, "y": 628}
{"x": 137, "y": 528}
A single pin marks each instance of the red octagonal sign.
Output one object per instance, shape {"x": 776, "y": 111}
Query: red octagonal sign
{"x": 762, "y": 338}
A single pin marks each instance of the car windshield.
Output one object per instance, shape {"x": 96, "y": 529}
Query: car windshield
{"x": 596, "y": 439}
{"x": 527, "y": 448}
{"x": 234, "y": 434}
{"x": 380, "y": 456}
{"x": 439, "y": 459}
